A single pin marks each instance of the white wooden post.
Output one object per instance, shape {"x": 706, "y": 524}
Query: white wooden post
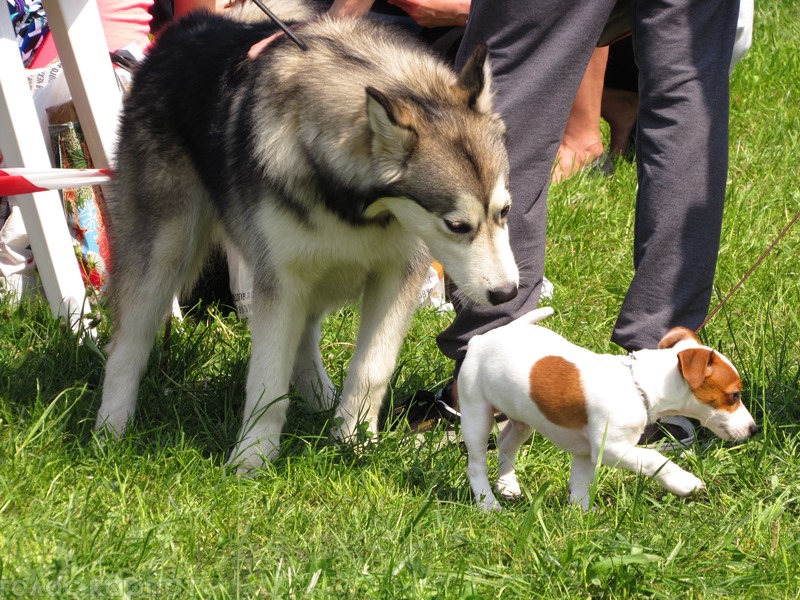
{"x": 24, "y": 146}
{"x": 76, "y": 28}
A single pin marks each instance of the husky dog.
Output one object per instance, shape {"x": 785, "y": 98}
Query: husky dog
{"x": 333, "y": 171}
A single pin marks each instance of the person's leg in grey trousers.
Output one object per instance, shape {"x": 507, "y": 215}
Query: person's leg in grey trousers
{"x": 539, "y": 52}
{"x": 683, "y": 49}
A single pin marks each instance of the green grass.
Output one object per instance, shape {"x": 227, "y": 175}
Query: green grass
{"x": 156, "y": 515}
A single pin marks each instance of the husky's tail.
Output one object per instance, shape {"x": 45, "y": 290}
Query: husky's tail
{"x": 532, "y": 317}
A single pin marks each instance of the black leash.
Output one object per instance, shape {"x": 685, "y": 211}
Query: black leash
{"x": 750, "y": 272}
{"x": 281, "y": 24}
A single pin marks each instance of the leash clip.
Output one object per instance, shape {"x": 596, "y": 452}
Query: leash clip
{"x": 283, "y": 26}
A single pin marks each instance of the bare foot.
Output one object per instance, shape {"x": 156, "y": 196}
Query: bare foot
{"x": 574, "y": 156}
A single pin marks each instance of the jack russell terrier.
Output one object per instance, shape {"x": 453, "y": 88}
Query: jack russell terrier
{"x": 591, "y": 405}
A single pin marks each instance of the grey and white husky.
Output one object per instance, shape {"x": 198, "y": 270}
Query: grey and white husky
{"x": 333, "y": 171}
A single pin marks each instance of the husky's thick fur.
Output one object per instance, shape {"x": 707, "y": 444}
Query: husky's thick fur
{"x": 333, "y": 171}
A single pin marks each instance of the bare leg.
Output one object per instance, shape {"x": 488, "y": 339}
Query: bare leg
{"x": 582, "y": 142}
{"x": 620, "y": 109}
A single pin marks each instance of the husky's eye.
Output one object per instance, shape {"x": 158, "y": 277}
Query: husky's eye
{"x": 504, "y": 212}
{"x": 458, "y": 226}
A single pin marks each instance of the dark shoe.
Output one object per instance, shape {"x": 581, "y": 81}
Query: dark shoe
{"x": 602, "y": 165}
{"x": 669, "y": 433}
{"x": 447, "y": 406}
{"x": 425, "y": 409}
{"x": 419, "y": 412}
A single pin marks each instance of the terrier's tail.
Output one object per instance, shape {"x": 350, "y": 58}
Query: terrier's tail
{"x": 534, "y": 316}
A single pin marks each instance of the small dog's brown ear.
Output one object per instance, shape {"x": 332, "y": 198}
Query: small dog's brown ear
{"x": 696, "y": 364}
{"x": 675, "y": 335}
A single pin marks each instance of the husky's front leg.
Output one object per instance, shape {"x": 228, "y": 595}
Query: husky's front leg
{"x": 276, "y": 326}
{"x": 310, "y": 378}
{"x": 390, "y": 299}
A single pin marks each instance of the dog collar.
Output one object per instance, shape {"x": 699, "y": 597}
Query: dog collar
{"x": 628, "y": 362}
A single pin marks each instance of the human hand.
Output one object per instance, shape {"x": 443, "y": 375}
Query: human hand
{"x": 351, "y": 8}
{"x": 435, "y": 13}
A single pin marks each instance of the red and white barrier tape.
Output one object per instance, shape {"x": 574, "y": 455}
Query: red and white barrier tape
{"x": 27, "y": 181}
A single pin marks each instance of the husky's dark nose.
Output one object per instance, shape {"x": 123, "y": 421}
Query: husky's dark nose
{"x": 503, "y": 294}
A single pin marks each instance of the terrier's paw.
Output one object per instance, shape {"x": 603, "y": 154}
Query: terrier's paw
{"x": 581, "y": 500}
{"x": 489, "y": 504}
{"x": 246, "y": 464}
{"x": 111, "y": 426}
{"x": 683, "y": 483}
{"x": 508, "y": 487}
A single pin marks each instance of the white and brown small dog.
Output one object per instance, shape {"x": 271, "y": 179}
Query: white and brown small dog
{"x": 589, "y": 404}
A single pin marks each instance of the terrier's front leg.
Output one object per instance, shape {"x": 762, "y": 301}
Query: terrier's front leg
{"x": 653, "y": 464}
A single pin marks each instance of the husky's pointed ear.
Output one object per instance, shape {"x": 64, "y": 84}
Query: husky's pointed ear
{"x": 476, "y": 79}
{"x": 393, "y": 137}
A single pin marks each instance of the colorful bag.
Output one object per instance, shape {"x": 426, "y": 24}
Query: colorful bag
{"x": 84, "y": 207}
{"x": 30, "y": 24}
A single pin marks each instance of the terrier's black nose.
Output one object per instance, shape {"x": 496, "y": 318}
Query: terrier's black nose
{"x": 754, "y": 429}
{"x": 503, "y": 294}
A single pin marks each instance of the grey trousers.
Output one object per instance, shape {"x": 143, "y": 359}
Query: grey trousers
{"x": 539, "y": 50}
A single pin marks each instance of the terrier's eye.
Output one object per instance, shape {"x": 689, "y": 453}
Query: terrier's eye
{"x": 734, "y": 398}
{"x": 458, "y": 226}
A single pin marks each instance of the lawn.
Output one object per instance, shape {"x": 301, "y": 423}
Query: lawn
{"x": 157, "y": 515}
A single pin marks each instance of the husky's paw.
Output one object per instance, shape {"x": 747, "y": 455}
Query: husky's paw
{"x": 104, "y": 437}
{"x": 111, "y": 427}
{"x": 683, "y": 483}
{"x": 250, "y": 456}
{"x": 321, "y": 394}
{"x": 349, "y": 431}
